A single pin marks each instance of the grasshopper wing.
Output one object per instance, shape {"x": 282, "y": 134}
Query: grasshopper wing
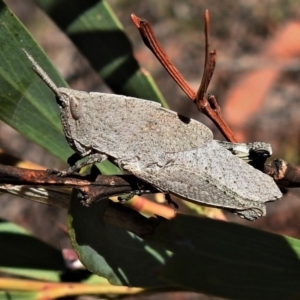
{"x": 131, "y": 127}
{"x": 213, "y": 176}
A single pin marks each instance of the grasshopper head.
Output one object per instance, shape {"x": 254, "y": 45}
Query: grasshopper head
{"x": 70, "y": 103}
{"x": 68, "y": 100}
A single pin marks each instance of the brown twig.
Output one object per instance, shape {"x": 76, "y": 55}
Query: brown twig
{"x": 28, "y": 183}
{"x": 202, "y": 103}
{"x": 93, "y": 185}
{"x": 284, "y": 173}
{"x": 151, "y": 42}
{"x": 209, "y": 63}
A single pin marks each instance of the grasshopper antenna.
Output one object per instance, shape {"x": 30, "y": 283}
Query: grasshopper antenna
{"x": 42, "y": 74}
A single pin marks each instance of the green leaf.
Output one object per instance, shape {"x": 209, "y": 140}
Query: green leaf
{"x": 230, "y": 260}
{"x": 95, "y": 279}
{"x": 111, "y": 252}
{"x": 27, "y": 104}
{"x": 98, "y": 34}
{"x": 24, "y": 255}
{"x": 13, "y": 295}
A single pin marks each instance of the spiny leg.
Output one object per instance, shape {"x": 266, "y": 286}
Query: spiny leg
{"x": 75, "y": 167}
{"x": 130, "y": 196}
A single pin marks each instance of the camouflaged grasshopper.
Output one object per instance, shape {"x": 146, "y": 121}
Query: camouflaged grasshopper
{"x": 175, "y": 154}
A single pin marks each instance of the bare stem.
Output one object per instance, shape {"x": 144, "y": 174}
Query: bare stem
{"x": 198, "y": 98}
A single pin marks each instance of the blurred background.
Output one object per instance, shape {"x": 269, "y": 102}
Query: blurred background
{"x": 256, "y": 83}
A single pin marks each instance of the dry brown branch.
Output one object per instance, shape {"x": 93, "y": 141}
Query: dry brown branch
{"x": 284, "y": 173}
{"x": 38, "y": 185}
{"x": 94, "y": 185}
{"x": 203, "y": 104}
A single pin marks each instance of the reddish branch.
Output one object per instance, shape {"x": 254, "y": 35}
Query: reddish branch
{"x": 95, "y": 186}
{"x": 206, "y": 104}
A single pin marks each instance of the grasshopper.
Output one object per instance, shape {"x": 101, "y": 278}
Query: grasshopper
{"x": 175, "y": 154}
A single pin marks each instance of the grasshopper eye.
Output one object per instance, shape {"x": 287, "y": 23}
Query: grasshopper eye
{"x": 75, "y": 108}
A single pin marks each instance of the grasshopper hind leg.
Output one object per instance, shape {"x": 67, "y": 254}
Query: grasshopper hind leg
{"x": 253, "y": 213}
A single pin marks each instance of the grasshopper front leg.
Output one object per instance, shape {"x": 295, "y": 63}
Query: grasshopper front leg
{"x": 75, "y": 166}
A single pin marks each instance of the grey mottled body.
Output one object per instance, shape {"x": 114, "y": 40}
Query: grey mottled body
{"x": 174, "y": 153}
